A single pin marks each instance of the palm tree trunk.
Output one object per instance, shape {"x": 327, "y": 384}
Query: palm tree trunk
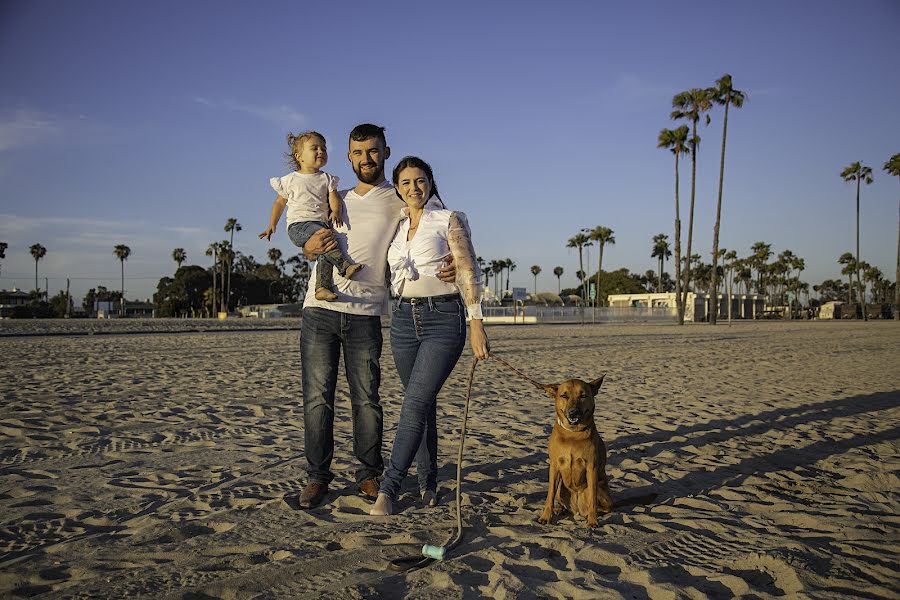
{"x": 122, "y": 298}
{"x": 599, "y": 300}
{"x": 678, "y": 304}
{"x": 690, "y": 232}
{"x": 862, "y": 292}
{"x": 714, "y": 309}
{"x": 659, "y": 279}
{"x": 35, "y": 275}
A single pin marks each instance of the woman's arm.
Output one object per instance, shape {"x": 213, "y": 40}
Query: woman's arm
{"x": 469, "y": 281}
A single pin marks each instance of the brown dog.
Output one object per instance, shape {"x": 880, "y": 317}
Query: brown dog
{"x": 578, "y": 480}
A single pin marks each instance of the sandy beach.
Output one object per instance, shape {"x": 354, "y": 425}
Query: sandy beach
{"x": 158, "y": 465}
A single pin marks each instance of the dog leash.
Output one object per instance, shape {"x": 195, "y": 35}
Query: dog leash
{"x": 432, "y": 553}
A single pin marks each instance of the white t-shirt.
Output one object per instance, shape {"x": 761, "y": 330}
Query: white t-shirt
{"x": 370, "y": 222}
{"x": 306, "y": 194}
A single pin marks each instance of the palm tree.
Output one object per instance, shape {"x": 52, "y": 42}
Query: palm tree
{"x": 578, "y": 241}
{"x": 723, "y": 95}
{"x": 676, "y": 142}
{"x": 762, "y": 252}
{"x": 893, "y": 168}
{"x": 213, "y": 250}
{"x": 274, "y": 255}
{"x": 535, "y": 269}
{"x": 510, "y": 267}
{"x": 3, "y": 247}
{"x": 858, "y": 173}
{"x": 231, "y": 225}
{"x": 603, "y": 236}
{"x": 226, "y": 257}
{"x": 691, "y": 105}
{"x": 849, "y": 263}
{"x": 122, "y": 252}
{"x": 661, "y": 252}
{"x": 558, "y": 271}
{"x": 37, "y": 253}
{"x": 179, "y": 256}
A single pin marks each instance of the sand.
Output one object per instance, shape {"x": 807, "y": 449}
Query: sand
{"x": 158, "y": 465}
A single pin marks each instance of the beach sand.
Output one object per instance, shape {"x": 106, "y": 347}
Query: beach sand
{"x": 158, "y": 465}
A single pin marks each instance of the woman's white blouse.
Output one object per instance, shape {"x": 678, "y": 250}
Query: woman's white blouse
{"x": 441, "y": 232}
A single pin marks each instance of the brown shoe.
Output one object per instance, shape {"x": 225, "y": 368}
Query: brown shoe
{"x": 313, "y": 494}
{"x": 369, "y": 488}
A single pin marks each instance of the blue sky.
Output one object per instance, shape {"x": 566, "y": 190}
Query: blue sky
{"x": 150, "y": 124}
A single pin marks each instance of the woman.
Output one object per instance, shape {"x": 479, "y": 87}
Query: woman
{"x": 428, "y": 329}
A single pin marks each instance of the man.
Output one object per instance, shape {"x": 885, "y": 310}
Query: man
{"x": 351, "y": 323}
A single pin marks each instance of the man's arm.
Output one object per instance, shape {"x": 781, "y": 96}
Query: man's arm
{"x": 319, "y": 243}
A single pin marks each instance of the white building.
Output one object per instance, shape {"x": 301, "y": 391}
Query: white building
{"x": 743, "y": 306}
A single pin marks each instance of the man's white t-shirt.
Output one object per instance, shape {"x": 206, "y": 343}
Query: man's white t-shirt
{"x": 370, "y": 222}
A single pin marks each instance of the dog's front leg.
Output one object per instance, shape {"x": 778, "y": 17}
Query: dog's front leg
{"x": 592, "y": 481}
{"x": 547, "y": 515}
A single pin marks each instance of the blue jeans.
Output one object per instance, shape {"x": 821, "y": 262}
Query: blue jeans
{"x": 323, "y": 334}
{"x": 427, "y": 340}
{"x": 300, "y": 232}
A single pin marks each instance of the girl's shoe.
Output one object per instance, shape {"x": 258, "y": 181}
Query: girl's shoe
{"x": 383, "y": 506}
{"x": 429, "y": 498}
{"x": 325, "y": 295}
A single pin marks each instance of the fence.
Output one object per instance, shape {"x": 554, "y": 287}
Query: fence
{"x": 573, "y": 314}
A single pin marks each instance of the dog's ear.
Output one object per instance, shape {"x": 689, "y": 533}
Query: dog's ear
{"x": 551, "y": 390}
{"x": 595, "y": 385}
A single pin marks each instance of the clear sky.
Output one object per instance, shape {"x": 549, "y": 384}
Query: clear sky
{"x": 151, "y": 123}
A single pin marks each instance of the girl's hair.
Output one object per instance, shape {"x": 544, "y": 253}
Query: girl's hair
{"x": 416, "y": 163}
{"x": 295, "y": 145}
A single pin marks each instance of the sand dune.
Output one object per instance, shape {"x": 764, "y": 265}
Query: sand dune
{"x": 159, "y": 466}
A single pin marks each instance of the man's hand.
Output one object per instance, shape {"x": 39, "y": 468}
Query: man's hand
{"x": 447, "y": 273}
{"x": 267, "y": 233}
{"x": 319, "y": 243}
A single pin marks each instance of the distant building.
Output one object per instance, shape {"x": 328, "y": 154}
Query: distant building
{"x": 9, "y": 300}
{"x": 743, "y": 306}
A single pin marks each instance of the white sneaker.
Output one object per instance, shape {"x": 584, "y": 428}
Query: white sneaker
{"x": 382, "y": 507}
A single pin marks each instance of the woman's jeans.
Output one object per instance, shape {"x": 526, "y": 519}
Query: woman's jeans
{"x": 427, "y": 339}
{"x": 323, "y": 334}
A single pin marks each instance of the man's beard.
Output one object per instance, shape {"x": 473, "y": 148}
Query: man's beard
{"x": 373, "y": 176}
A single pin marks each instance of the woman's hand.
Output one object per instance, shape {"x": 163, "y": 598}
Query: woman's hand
{"x": 481, "y": 347}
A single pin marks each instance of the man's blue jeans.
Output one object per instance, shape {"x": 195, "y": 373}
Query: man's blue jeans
{"x": 323, "y": 334}
{"x": 427, "y": 340}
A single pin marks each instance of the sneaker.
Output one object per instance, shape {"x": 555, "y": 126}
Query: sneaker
{"x": 429, "y": 498}
{"x": 369, "y": 488}
{"x": 383, "y": 506}
{"x": 313, "y": 494}
{"x": 352, "y": 270}
{"x": 325, "y": 295}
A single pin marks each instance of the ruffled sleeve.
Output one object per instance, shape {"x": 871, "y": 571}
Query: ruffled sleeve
{"x": 469, "y": 278}
{"x": 333, "y": 182}
{"x": 278, "y": 185}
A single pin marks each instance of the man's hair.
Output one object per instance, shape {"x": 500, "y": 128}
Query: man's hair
{"x": 295, "y": 145}
{"x": 367, "y": 131}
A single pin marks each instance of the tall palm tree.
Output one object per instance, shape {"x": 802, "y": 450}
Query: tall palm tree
{"x": 231, "y": 225}
{"x": 122, "y": 252}
{"x": 535, "y": 269}
{"x": 675, "y": 140}
{"x": 762, "y": 252}
{"x": 274, "y": 255}
{"x": 179, "y": 256}
{"x": 893, "y": 168}
{"x": 226, "y": 258}
{"x": 3, "y": 247}
{"x": 578, "y": 241}
{"x": 603, "y": 236}
{"x": 660, "y": 252}
{"x": 213, "y": 250}
{"x": 859, "y": 173}
{"x": 691, "y": 105}
{"x": 725, "y": 95}
{"x": 558, "y": 271}
{"x": 37, "y": 253}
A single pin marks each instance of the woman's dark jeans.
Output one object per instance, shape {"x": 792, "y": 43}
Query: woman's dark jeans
{"x": 427, "y": 340}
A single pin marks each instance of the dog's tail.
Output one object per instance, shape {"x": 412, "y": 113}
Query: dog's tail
{"x": 635, "y": 500}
